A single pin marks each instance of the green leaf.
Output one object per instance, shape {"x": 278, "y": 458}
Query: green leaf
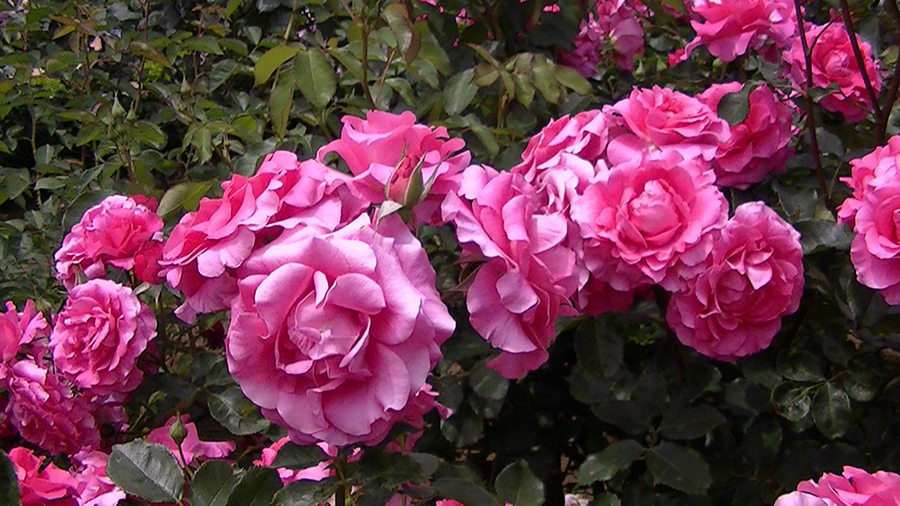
{"x": 488, "y": 383}
{"x": 460, "y": 92}
{"x": 409, "y": 40}
{"x": 799, "y": 365}
{"x": 690, "y": 422}
{"x": 269, "y": 62}
{"x": 735, "y": 107}
{"x": 679, "y": 467}
{"x": 237, "y": 414}
{"x": 9, "y": 483}
{"x": 463, "y": 491}
{"x": 292, "y": 456}
{"x": 517, "y": 485}
{"x": 147, "y": 470}
{"x": 149, "y": 133}
{"x": 211, "y": 484}
{"x": 231, "y": 7}
{"x": 280, "y": 103}
{"x": 831, "y": 411}
{"x": 599, "y": 350}
{"x": 315, "y": 77}
{"x": 546, "y": 83}
{"x": 613, "y": 459}
{"x": 524, "y": 90}
{"x": 305, "y": 493}
{"x": 88, "y": 133}
{"x": 484, "y": 134}
{"x": 183, "y": 196}
{"x": 819, "y": 235}
{"x": 149, "y": 52}
{"x": 606, "y": 499}
{"x": 16, "y": 183}
{"x": 221, "y": 72}
{"x": 257, "y": 487}
{"x": 791, "y": 402}
{"x": 572, "y": 80}
{"x": 203, "y": 44}
{"x": 861, "y": 386}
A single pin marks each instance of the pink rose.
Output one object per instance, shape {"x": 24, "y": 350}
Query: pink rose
{"x": 316, "y": 473}
{"x": 732, "y": 27}
{"x": 517, "y": 295}
{"x": 93, "y": 487}
{"x": 146, "y": 262}
{"x": 758, "y": 145}
{"x": 99, "y": 335}
{"x": 110, "y": 233}
{"x": 833, "y": 62}
{"x": 855, "y": 487}
{"x": 882, "y": 162}
{"x": 612, "y": 32}
{"x": 660, "y": 118}
{"x": 333, "y": 335}
{"x": 17, "y": 330}
{"x": 193, "y": 449}
{"x": 46, "y": 413}
{"x": 875, "y": 251}
{"x": 752, "y": 278}
{"x": 50, "y": 486}
{"x": 383, "y": 150}
{"x": 800, "y": 499}
{"x": 652, "y": 220}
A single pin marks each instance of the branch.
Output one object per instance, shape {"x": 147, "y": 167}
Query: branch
{"x": 860, "y": 62}
{"x": 894, "y": 86}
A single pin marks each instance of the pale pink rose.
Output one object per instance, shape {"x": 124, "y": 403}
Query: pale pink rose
{"x": 731, "y": 28}
{"x": 875, "y": 251}
{"x": 93, "y": 487}
{"x": 531, "y": 271}
{"x": 333, "y": 335}
{"x": 50, "y": 486}
{"x": 110, "y": 233}
{"x": 45, "y": 412}
{"x": 800, "y": 499}
{"x": 316, "y": 473}
{"x": 613, "y": 31}
{"x": 660, "y": 118}
{"x": 383, "y": 150}
{"x": 756, "y": 146}
{"x": 833, "y": 63}
{"x": 881, "y": 162}
{"x": 855, "y": 487}
{"x": 193, "y": 449}
{"x": 752, "y": 278}
{"x": 652, "y": 220}
{"x": 99, "y": 335}
{"x": 17, "y": 330}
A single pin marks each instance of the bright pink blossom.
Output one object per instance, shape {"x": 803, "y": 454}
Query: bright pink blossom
{"x": 50, "y": 486}
{"x": 93, "y": 487}
{"x": 752, "y": 278}
{"x": 193, "y": 449}
{"x": 833, "y": 63}
{"x": 613, "y": 31}
{"x": 99, "y": 335}
{"x": 730, "y": 28}
{"x": 333, "y": 335}
{"x": 875, "y": 251}
{"x": 316, "y": 473}
{"x": 18, "y": 330}
{"x": 884, "y": 161}
{"x": 109, "y": 233}
{"x": 855, "y": 487}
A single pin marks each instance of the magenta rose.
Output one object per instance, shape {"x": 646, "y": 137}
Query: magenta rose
{"x": 756, "y": 146}
{"x": 875, "y": 251}
{"x": 531, "y": 271}
{"x": 652, "y": 220}
{"x": 333, "y": 335}
{"x": 855, "y": 487}
{"x": 46, "y": 413}
{"x": 18, "y": 330}
{"x": 833, "y": 63}
{"x": 730, "y": 28}
{"x": 110, "y": 233}
{"x": 99, "y": 335}
{"x": 613, "y": 31}
{"x": 884, "y": 161}
{"x": 39, "y": 487}
{"x": 752, "y": 278}
{"x": 193, "y": 449}
{"x": 92, "y": 486}
{"x": 660, "y": 118}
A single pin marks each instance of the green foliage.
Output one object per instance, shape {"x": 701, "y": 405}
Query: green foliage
{"x": 147, "y": 470}
{"x": 8, "y": 482}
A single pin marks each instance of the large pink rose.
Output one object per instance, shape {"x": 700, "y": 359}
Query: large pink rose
{"x": 99, "y": 335}
{"x": 855, "y": 487}
{"x": 517, "y": 295}
{"x": 110, "y": 233}
{"x": 660, "y": 118}
{"x": 652, "y": 220}
{"x": 93, "y": 487}
{"x": 882, "y": 162}
{"x": 384, "y": 149}
{"x": 758, "y": 145}
{"x": 18, "y": 330}
{"x": 833, "y": 63}
{"x": 46, "y": 413}
{"x": 612, "y": 32}
{"x": 753, "y": 277}
{"x": 50, "y": 486}
{"x": 732, "y": 27}
{"x": 193, "y": 449}
{"x": 875, "y": 251}
{"x": 333, "y": 335}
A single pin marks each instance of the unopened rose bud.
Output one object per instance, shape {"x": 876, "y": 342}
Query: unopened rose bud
{"x": 178, "y": 432}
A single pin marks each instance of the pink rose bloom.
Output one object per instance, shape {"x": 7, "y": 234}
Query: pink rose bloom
{"x": 17, "y": 330}
{"x": 612, "y": 32}
{"x": 530, "y": 274}
{"x": 598, "y": 297}
{"x": 316, "y": 473}
{"x": 752, "y": 279}
{"x": 146, "y": 262}
{"x": 800, "y": 499}
{"x": 333, "y": 335}
{"x": 99, "y": 335}
{"x": 50, "y": 486}
{"x": 93, "y": 487}
{"x": 194, "y": 450}
{"x": 659, "y": 118}
{"x": 46, "y": 413}
{"x": 855, "y": 487}
{"x": 110, "y": 233}
{"x": 758, "y": 145}
{"x": 384, "y": 149}
{"x": 833, "y": 62}
{"x": 649, "y": 221}
{"x": 875, "y": 251}
{"x": 881, "y": 162}
{"x": 732, "y": 27}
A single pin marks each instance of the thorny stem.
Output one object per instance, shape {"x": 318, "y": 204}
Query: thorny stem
{"x": 860, "y": 62}
{"x": 881, "y": 124}
{"x": 365, "y": 67}
{"x": 384, "y": 74}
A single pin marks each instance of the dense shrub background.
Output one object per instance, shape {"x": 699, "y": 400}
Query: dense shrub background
{"x": 169, "y": 98}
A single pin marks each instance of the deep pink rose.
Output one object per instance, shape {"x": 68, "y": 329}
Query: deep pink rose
{"x": 93, "y": 487}
{"x": 833, "y": 63}
{"x": 730, "y": 28}
{"x": 613, "y": 31}
{"x": 146, "y": 262}
{"x": 855, "y": 487}
{"x": 875, "y": 251}
{"x": 316, "y": 473}
{"x": 50, "y": 486}
{"x": 46, "y": 413}
{"x": 660, "y": 118}
{"x": 194, "y": 450}
{"x": 110, "y": 233}
{"x": 758, "y": 145}
{"x": 18, "y": 330}
{"x": 884, "y": 161}
{"x": 99, "y": 335}
{"x": 752, "y": 278}
{"x": 333, "y": 335}
{"x": 530, "y": 274}
{"x": 652, "y": 220}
